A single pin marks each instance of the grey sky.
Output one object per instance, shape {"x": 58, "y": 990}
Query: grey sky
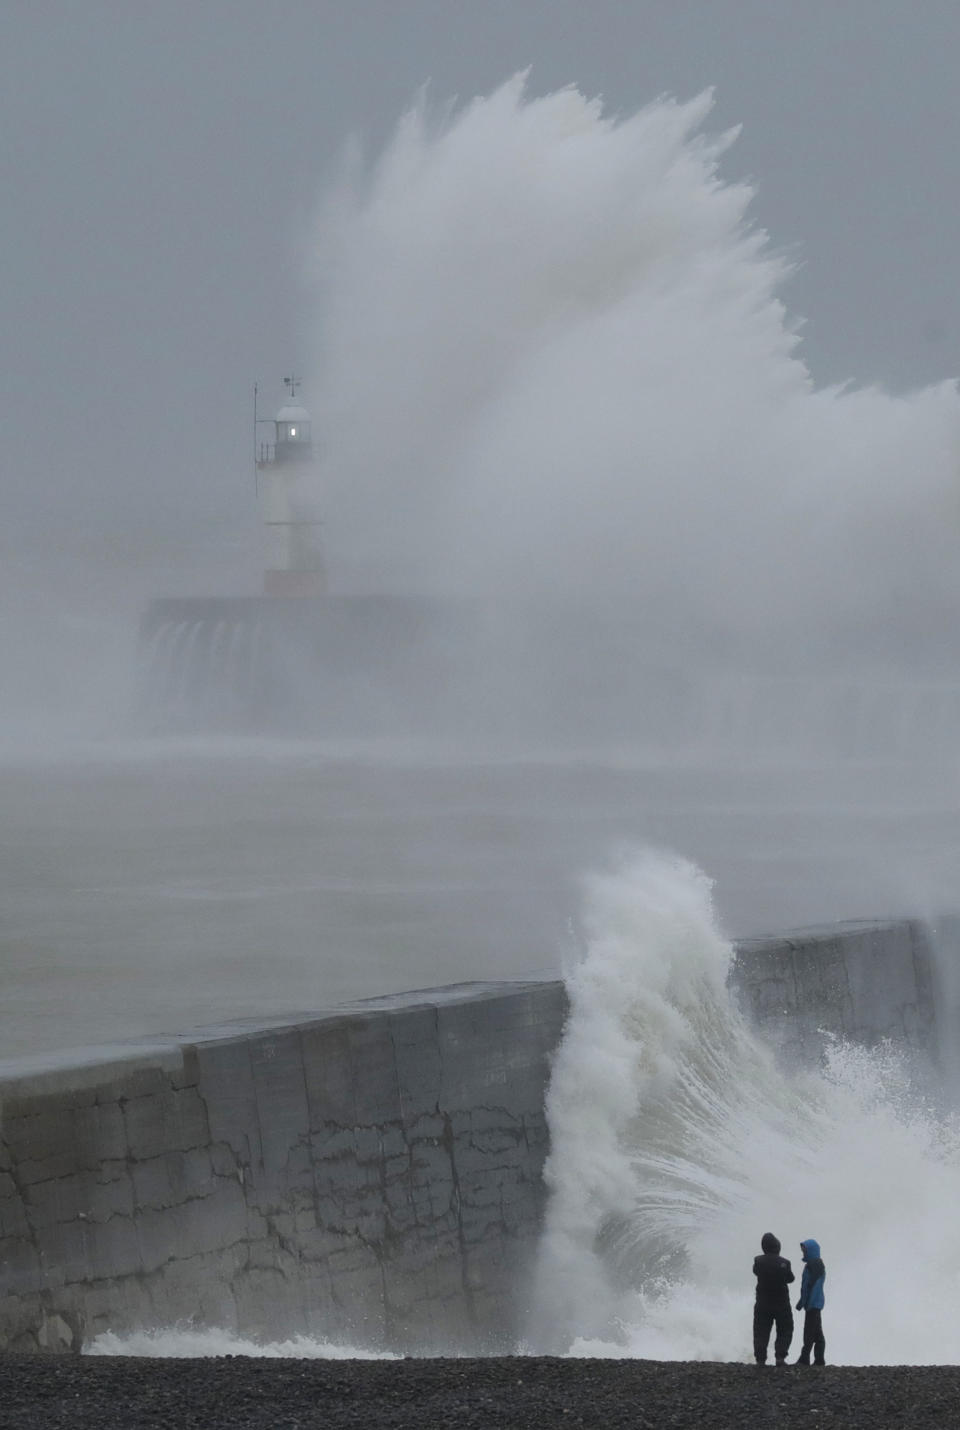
{"x": 162, "y": 164}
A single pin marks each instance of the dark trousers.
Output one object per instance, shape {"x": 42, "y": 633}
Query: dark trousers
{"x": 812, "y": 1339}
{"x": 763, "y": 1324}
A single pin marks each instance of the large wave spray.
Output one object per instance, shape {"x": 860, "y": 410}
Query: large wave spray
{"x": 556, "y": 365}
{"x": 677, "y": 1141}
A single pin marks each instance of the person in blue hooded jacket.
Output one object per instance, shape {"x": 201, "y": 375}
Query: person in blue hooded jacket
{"x": 811, "y": 1302}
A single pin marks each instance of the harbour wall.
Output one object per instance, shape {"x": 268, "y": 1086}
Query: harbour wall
{"x": 370, "y": 1175}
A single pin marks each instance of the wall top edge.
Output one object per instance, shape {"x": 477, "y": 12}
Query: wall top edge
{"x": 824, "y": 933}
{"x": 86, "y": 1067}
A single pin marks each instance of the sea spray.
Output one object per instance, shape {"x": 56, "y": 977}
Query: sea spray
{"x": 557, "y": 368}
{"x": 676, "y": 1140}
{"x": 189, "y": 1343}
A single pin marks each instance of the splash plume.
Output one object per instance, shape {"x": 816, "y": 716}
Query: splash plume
{"x": 557, "y": 366}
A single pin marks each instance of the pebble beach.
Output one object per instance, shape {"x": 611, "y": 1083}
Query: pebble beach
{"x": 132, "y": 1393}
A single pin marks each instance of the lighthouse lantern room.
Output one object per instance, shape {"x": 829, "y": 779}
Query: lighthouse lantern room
{"x": 294, "y": 555}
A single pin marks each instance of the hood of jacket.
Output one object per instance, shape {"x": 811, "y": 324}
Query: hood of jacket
{"x": 810, "y": 1249}
{"x": 770, "y": 1244}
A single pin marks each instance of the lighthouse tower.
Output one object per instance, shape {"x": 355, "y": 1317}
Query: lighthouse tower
{"x": 294, "y": 555}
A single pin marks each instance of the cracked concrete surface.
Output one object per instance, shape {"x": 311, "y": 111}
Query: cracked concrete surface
{"x": 374, "y": 1173}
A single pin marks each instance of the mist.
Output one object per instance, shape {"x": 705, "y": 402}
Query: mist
{"x": 557, "y": 371}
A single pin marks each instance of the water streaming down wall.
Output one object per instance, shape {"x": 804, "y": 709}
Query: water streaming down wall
{"x": 408, "y": 665}
{"x": 358, "y": 663}
{"x": 371, "y": 1175}
{"x": 201, "y": 671}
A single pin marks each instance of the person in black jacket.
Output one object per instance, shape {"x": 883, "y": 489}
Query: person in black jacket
{"x": 774, "y": 1274}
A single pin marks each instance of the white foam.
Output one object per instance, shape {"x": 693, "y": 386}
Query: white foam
{"x": 677, "y": 1141}
{"x": 179, "y": 1341}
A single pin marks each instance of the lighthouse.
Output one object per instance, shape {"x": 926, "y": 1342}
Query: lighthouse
{"x": 294, "y": 555}
{"x": 295, "y": 655}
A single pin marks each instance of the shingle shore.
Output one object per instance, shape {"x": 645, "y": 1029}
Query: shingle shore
{"x": 133, "y": 1393}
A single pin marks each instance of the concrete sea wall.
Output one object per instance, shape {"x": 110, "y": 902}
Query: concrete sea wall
{"x": 861, "y": 981}
{"x": 371, "y": 1174}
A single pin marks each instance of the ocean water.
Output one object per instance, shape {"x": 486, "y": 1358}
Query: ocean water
{"x": 155, "y": 888}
